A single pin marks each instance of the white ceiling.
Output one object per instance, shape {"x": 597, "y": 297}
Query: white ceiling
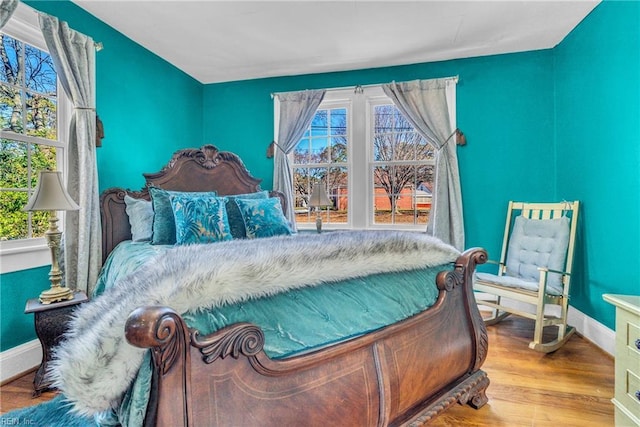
{"x": 217, "y": 41}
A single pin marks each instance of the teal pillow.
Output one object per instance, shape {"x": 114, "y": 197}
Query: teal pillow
{"x": 263, "y": 217}
{"x": 164, "y": 226}
{"x": 235, "y": 217}
{"x": 200, "y": 219}
{"x": 140, "y": 213}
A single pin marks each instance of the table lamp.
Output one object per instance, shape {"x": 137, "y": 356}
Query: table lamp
{"x": 50, "y": 195}
{"x": 319, "y": 199}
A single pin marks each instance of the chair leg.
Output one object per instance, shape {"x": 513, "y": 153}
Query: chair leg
{"x": 564, "y": 331}
{"x": 555, "y": 344}
{"x": 496, "y": 315}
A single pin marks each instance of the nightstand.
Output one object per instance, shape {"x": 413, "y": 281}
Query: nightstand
{"x": 51, "y": 321}
{"x": 627, "y": 365}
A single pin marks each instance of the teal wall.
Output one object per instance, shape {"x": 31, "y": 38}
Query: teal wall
{"x": 597, "y": 78}
{"x": 542, "y": 125}
{"x": 15, "y": 289}
{"x": 504, "y": 107}
{"x": 149, "y": 109}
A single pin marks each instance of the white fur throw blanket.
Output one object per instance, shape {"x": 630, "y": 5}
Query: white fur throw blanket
{"x": 95, "y": 365}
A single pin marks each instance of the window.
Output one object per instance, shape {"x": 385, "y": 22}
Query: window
{"x": 377, "y": 169}
{"x": 33, "y": 117}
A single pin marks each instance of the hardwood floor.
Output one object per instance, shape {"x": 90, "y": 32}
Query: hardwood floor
{"x": 571, "y": 387}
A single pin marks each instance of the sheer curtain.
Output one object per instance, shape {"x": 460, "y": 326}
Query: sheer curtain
{"x": 73, "y": 56}
{"x": 294, "y": 111}
{"x": 429, "y": 106}
{"x": 7, "y": 7}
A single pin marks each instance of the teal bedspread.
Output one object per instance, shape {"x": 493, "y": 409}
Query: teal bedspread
{"x": 294, "y": 322}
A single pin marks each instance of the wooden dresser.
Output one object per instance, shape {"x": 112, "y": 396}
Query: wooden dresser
{"x": 627, "y": 376}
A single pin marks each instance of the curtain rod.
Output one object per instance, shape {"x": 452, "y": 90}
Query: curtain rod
{"x": 97, "y": 45}
{"x": 359, "y": 88}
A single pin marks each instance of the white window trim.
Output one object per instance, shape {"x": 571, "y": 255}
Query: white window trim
{"x": 360, "y": 214}
{"x": 23, "y": 254}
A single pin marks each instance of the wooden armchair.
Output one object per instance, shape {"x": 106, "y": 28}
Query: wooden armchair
{"x": 534, "y": 268}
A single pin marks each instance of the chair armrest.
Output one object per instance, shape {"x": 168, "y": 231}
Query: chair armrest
{"x": 550, "y": 270}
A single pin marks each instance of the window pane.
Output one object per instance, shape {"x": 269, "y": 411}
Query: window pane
{"x": 39, "y": 73}
{"x": 10, "y": 51}
{"x": 337, "y": 180}
{"x": 383, "y": 118}
{"x": 319, "y": 124}
{"x": 402, "y": 194}
{"x": 320, "y": 150}
{"x": 13, "y": 221}
{"x": 14, "y": 164}
{"x": 400, "y": 124}
{"x": 424, "y": 150}
{"x": 41, "y": 116}
{"x": 301, "y": 152}
{"x": 382, "y": 147}
{"x": 43, "y": 157}
{"x": 339, "y": 149}
{"x": 395, "y": 138}
{"x": 11, "y": 108}
{"x": 339, "y": 121}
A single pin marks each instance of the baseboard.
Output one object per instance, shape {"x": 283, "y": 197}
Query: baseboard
{"x": 592, "y": 330}
{"x": 18, "y": 360}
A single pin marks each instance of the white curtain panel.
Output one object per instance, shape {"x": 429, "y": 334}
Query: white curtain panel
{"x": 7, "y": 7}
{"x": 427, "y": 104}
{"x": 295, "y": 111}
{"x": 73, "y": 56}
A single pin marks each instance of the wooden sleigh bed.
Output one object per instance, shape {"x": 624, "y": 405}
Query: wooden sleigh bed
{"x": 403, "y": 374}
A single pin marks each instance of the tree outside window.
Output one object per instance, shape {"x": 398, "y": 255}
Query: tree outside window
{"x": 378, "y": 171}
{"x": 29, "y": 138}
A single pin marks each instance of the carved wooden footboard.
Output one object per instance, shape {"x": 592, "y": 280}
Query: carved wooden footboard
{"x": 404, "y": 374}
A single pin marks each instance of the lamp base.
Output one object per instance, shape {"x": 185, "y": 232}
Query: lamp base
{"x": 319, "y": 224}
{"x": 55, "y": 294}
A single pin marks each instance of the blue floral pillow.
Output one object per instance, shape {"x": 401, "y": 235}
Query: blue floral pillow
{"x": 236, "y": 222}
{"x": 200, "y": 219}
{"x": 164, "y": 225}
{"x": 263, "y": 217}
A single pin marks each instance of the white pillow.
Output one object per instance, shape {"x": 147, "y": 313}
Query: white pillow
{"x": 140, "y": 214}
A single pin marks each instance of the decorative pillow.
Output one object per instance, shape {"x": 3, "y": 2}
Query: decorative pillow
{"x": 235, "y": 217}
{"x": 538, "y": 243}
{"x": 140, "y": 214}
{"x": 200, "y": 219}
{"x": 164, "y": 226}
{"x": 263, "y": 217}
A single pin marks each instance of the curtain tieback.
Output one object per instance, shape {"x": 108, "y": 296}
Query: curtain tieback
{"x": 462, "y": 140}
{"x": 84, "y": 108}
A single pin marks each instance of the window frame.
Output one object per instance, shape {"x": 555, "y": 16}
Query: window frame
{"x": 22, "y": 254}
{"x": 359, "y": 103}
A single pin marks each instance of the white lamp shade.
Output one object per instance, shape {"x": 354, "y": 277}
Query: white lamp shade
{"x": 50, "y": 194}
{"x": 319, "y": 196}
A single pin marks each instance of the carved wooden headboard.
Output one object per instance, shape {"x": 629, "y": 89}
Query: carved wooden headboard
{"x": 204, "y": 169}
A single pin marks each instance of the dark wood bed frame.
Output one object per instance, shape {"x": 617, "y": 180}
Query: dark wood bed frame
{"x": 404, "y": 374}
